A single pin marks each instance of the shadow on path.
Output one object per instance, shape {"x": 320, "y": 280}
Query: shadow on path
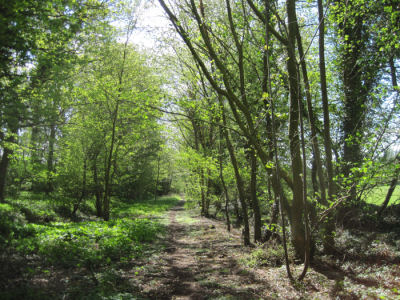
{"x": 198, "y": 264}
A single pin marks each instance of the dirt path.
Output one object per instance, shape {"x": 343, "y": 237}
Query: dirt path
{"x": 201, "y": 262}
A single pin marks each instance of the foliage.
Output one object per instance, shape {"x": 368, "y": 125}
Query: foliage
{"x": 84, "y": 244}
{"x": 255, "y": 106}
{"x": 92, "y": 243}
{"x": 13, "y": 226}
{"x": 270, "y": 254}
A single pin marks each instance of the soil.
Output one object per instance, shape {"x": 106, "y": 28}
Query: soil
{"x": 202, "y": 260}
{"x": 198, "y": 263}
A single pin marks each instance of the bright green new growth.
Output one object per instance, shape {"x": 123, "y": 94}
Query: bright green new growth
{"x": 89, "y": 243}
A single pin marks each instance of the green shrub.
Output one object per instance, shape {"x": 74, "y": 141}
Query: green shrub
{"x": 271, "y": 254}
{"x": 13, "y": 225}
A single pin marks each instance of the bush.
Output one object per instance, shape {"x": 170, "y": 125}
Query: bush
{"x": 271, "y": 254}
{"x": 13, "y": 225}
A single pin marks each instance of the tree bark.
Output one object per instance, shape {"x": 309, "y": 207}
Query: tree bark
{"x": 50, "y": 159}
{"x": 394, "y": 181}
{"x": 392, "y": 187}
{"x": 107, "y": 177}
{"x": 97, "y": 187}
{"x": 239, "y": 180}
{"x": 297, "y": 208}
{"x": 325, "y": 102}
{"x": 158, "y": 176}
{"x": 5, "y": 160}
{"x": 328, "y": 240}
{"x": 253, "y": 195}
{"x": 311, "y": 117}
{"x": 221, "y": 176}
{"x": 357, "y": 84}
{"x": 83, "y": 193}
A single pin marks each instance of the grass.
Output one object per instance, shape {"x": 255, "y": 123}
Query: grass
{"x": 187, "y": 217}
{"x": 378, "y": 194}
{"x": 148, "y": 208}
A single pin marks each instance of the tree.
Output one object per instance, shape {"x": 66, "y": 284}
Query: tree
{"x": 34, "y": 38}
{"x": 234, "y": 87}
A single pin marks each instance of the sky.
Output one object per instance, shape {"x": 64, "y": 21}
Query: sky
{"x": 151, "y": 22}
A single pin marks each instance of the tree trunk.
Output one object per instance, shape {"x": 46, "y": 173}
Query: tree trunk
{"x": 5, "y": 159}
{"x": 83, "y": 193}
{"x": 297, "y": 208}
{"x": 50, "y": 159}
{"x": 311, "y": 117}
{"x": 208, "y": 198}
{"x": 98, "y": 188}
{"x": 221, "y": 176}
{"x": 356, "y": 90}
{"x": 158, "y": 176}
{"x": 328, "y": 240}
{"x": 239, "y": 219}
{"x": 240, "y": 187}
{"x": 107, "y": 178}
{"x": 253, "y": 194}
{"x": 389, "y": 194}
{"x": 239, "y": 181}
{"x": 394, "y": 181}
{"x": 325, "y": 102}
{"x": 314, "y": 180}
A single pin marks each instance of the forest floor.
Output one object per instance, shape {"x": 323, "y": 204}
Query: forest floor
{"x": 203, "y": 260}
{"x": 192, "y": 257}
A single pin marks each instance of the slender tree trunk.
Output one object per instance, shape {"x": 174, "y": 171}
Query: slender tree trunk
{"x": 35, "y": 152}
{"x": 328, "y": 239}
{"x": 197, "y": 143}
{"x": 83, "y": 193}
{"x": 311, "y": 117}
{"x": 253, "y": 194}
{"x": 240, "y": 187}
{"x": 50, "y": 159}
{"x": 227, "y": 201}
{"x": 5, "y": 159}
{"x": 158, "y": 176}
{"x": 202, "y": 194}
{"x": 391, "y": 189}
{"x": 393, "y": 73}
{"x": 307, "y": 236}
{"x": 394, "y": 181}
{"x": 314, "y": 179}
{"x": 297, "y": 210}
{"x": 272, "y": 157}
{"x": 239, "y": 219}
{"x": 98, "y": 188}
{"x": 221, "y": 176}
{"x": 325, "y": 102}
{"x": 208, "y": 198}
{"x": 107, "y": 178}
{"x": 239, "y": 180}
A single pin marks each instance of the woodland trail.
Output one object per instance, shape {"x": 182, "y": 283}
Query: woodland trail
{"x": 201, "y": 261}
